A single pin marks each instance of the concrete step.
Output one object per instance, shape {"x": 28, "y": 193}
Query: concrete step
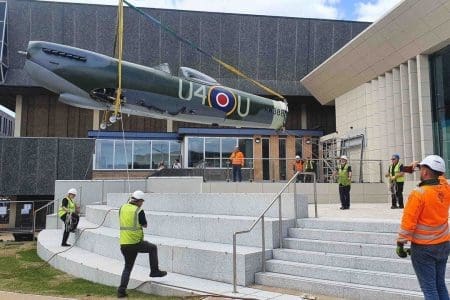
{"x": 197, "y": 227}
{"x": 194, "y": 258}
{"x": 380, "y": 264}
{"x": 354, "y": 224}
{"x": 335, "y": 289}
{"x": 343, "y": 236}
{"x": 360, "y": 249}
{"x": 345, "y": 275}
{"x": 102, "y": 269}
{"x": 234, "y": 204}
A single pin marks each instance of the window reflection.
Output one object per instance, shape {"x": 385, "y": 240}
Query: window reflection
{"x": 160, "y": 154}
{"x": 123, "y": 155}
{"x": 212, "y": 152}
{"x": 195, "y": 152}
{"x": 104, "y": 155}
{"x": 141, "y": 155}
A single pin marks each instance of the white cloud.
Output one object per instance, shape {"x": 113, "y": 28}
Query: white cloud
{"x": 324, "y": 9}
{"x": 373, "y": 10}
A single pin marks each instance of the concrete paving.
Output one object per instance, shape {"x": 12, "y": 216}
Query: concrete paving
{"x": 376, "y": 211}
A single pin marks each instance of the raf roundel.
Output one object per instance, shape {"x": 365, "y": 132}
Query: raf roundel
{"x": 222, "y": 99}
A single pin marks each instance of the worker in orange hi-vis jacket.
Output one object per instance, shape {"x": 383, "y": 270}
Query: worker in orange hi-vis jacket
{"x": 237, "y": 161}
{"x": 425, "y": 225}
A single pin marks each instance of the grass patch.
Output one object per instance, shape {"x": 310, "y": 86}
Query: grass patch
{"x": 22, "y": 271}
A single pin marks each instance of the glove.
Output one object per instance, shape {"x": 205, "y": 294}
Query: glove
{"x": 392, "y": 178}
{"x": 401, "y": 251}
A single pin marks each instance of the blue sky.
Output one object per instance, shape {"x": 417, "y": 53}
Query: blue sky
{"x": 356, "y": 10}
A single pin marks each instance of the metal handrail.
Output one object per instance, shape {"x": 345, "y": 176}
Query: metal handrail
{"x": 37, "y": 210}
{"x": 280, "y": 225}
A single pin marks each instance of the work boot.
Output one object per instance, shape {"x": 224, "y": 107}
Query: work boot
{"x": 158, "y": 273}
{"x": 122, "y": 295}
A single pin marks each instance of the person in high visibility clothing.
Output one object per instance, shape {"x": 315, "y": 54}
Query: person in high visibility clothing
{"x": 298, "y": 167}
{"x": 396, "y": 177}
{"x": 237, "y": 161}
{"x": 344, "y": 174}
{"x": 68, "y": 213}
{"x": 132, "y": 220}
{"x": 425, "y": 225}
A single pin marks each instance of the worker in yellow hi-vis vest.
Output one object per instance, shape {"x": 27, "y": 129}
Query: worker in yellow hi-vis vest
{"x": 132, "y": 220}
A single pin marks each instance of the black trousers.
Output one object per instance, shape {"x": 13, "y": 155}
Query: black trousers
{"x": 68, "y": 228}
{"x": 397, "y": 194}
{"x": 130, "y": 253}
{"x": 344, "y": 194}
{"x": 237, "y": 173}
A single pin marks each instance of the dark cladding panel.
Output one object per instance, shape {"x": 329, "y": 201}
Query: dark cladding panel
{"x": 83, "y": 149}
{"x": 190, "y": 30}
{"x": 65, "y": 159}
{"x": 358, "y": 27}
{"x": 229, "y": 37}
{"x": 150, "y": 39}
{"x": 267, "y": 49}
{"x": 40, "y": 23}
{"x": 286, "y": 50}
{"x": 46, "y": 169}
{"x": 302, "y": 58}
{"x": 57, "y": 33}
{"x": 85, "y": 31}
{"x": 248, "y": 46}
{"x": 131, "y": 47}
{"x": 170, "y": 46}
{"x": 75, "y": 158}
{"x": 106, "y": 30}
{"x": 28, "y": 166}
{"x": 19, "y": 31}
{"x": 322, "y": 40}
{"x": 69, "y": 26}
{"x": 210, "y": 42}
{"x": 342, "y": 33}
{"x": 10, "y": 171}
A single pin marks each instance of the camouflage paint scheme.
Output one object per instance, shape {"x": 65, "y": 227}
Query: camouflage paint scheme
{"x": 88, "y": 80}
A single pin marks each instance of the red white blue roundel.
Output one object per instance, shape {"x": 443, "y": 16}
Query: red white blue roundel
{"x": 222, "y": 99}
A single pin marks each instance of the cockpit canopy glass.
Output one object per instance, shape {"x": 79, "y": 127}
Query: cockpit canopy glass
{"x": 196, "y": 76}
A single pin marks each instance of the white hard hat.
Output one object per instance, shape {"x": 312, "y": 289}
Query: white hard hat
{"x": 72, "y": 191}
{"x": 297, "y": 157}
{"x": 138, "y": 195}
{"x": 344, "y": 157}
{"x": 434, "y": 162}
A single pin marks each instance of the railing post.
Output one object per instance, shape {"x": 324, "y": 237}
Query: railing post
{"x": 263, "y": 246}
{"x": 315, "y": 195}
{"x": 381, "y": 171}
{"x": 280, "y": 222}
{"x": 234, "y": 264}
{"x": 295, "y": 203}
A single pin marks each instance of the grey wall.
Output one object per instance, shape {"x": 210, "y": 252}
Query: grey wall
{"x": 30, "y": 166}
{"x": 275, "y": 50}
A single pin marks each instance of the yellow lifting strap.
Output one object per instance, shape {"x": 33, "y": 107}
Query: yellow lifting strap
{"x": 119, "y": 52}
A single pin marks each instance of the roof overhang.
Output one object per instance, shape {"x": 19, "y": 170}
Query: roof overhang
{"x": 412, "y": 27}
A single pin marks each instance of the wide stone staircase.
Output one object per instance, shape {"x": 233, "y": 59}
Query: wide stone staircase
{"x": 350, "y": 259}
{"x": 193, "y": 232}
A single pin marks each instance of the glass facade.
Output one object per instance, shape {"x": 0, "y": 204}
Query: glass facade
{"x": 440, "y": 74}
{"x": 214, "y": 152}
{"x": 135, "y": 154}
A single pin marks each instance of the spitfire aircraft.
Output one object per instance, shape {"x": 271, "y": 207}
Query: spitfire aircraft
{"x": 88, "y": 80}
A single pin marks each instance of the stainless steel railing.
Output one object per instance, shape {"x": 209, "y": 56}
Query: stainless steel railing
{"x": 280, "y": 224}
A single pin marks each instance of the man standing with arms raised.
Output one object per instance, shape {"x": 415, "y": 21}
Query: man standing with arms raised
{"x": 425, "y": 225}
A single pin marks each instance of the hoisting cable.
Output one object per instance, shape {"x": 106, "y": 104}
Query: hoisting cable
{"x": 196, "y": 47}
{"x": 118, "y": 53}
